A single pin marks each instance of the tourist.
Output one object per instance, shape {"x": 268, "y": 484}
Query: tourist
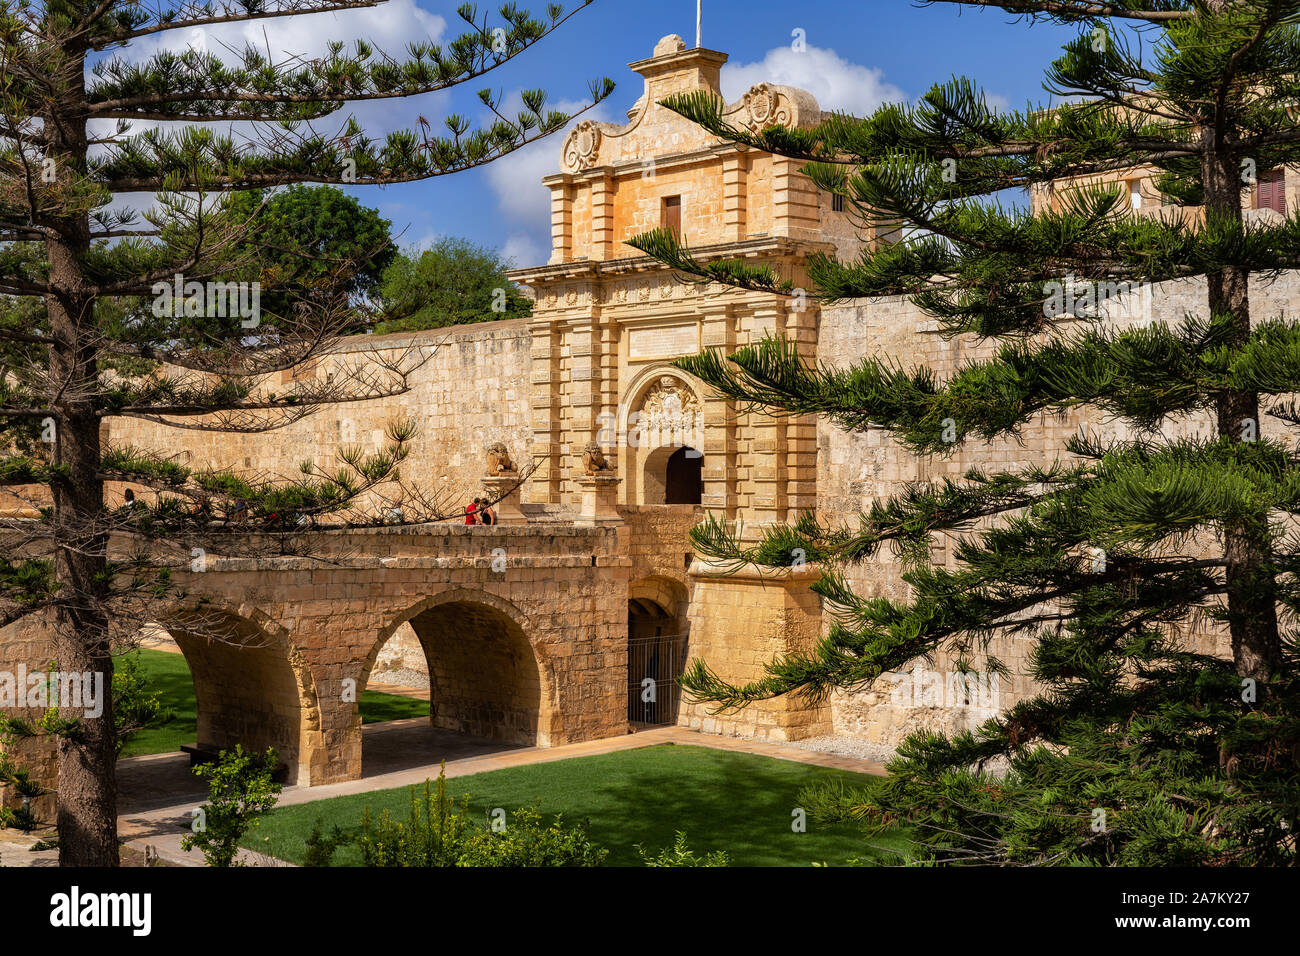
{"x": 128, "y": 498}
{"x": 488, "y": 516}
{"x": 471, "y": 515}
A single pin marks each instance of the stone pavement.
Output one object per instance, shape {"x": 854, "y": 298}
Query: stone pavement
{"x": 158, "y": 792}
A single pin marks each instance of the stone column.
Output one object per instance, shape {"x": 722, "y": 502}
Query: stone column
{"x": 767, "y": 444}
{"x": 504, "y": 490}
{"x": 562, "y": 191}
{"x": 599, "y": 500}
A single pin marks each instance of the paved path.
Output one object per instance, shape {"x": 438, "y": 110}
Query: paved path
{"x": 158, "y": 792}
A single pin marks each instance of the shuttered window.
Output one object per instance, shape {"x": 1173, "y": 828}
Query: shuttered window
{"x": 1270, "y": 191}
{"x": 672, "y": 214}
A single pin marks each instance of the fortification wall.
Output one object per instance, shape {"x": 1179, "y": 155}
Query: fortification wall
{"x": 853, "y": 470}
{"x": 470, "y": 393}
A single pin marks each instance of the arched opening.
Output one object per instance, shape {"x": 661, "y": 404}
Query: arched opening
{"x": 656, "y": 651}
{"x": 244, "y": 689}
{"x": 684, "y": 484}
{"x": 482, "y": 676}
{"x": 222, "y": 680}
{"x": 397, "y": 688}
{"x": 674, "y": 476}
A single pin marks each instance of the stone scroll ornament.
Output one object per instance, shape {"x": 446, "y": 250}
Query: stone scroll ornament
{"x": 593, "y": 459}
{"x": 582, "y": 146}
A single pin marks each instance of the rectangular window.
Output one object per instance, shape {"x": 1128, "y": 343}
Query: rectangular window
{"x": 1135, "y": 193}
{"x": 671, "y": 215}
{"x": 1270, "y": 191}
{"x": 837, "y": 203}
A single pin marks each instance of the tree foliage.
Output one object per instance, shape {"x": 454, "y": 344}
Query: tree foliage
{"x": 300, "y": 237}
{"x": 204, "y": 312}
{"x": 1134, "y": 749}
{"x": 453, "y": 283}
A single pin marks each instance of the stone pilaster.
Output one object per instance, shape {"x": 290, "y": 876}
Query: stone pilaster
{"x": 562, "y": 193}
{"x": 795, "y": 209}
{"x": 720, "y": 486}
{"x": 735, "y": 196}
{"x": 544, "y": 385}
{"x": 766, "y": 452}
{"x": 602, "y": 216}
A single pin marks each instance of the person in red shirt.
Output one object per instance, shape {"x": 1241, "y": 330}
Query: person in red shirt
{"x": 471, "y": 512}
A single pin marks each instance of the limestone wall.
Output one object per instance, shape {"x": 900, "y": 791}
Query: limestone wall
{"x": 853, "y": 470}
{"x": 473, "y": 391}
{"x": 27, "y": 647}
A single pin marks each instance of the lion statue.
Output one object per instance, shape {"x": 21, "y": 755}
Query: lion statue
{"x": 498, "y": 459}
{"x": 593, "y": 459}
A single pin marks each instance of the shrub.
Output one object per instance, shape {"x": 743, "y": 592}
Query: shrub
{"x": 321, "y": 847}
{"x": 240, "y": 791}
{"x": 439, "y": 832}
{"x": 679, "y": 854}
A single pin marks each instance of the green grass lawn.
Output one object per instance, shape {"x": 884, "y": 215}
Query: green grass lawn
{"x": 170, "y": 679}
{"x": 740, "y": 803}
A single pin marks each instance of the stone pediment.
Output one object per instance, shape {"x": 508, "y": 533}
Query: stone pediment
{"x": 654, "y": 131}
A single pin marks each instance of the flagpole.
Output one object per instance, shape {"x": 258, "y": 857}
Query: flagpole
{"x": 699, "y": 22}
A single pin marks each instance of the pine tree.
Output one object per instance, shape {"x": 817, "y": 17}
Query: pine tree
{"x": 1135, "y": 750}
{"x": 108, "y": 313}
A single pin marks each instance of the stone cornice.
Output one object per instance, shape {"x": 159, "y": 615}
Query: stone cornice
{"x": 636, "y": 167}
{"x": 597, "y": 269}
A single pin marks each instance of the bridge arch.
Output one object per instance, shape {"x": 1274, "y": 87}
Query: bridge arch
{"x": 251, "y": 686}
{"x": 487, "y": 677}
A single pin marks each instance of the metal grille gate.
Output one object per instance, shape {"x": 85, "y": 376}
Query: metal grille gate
{"x": 653, "y": 666}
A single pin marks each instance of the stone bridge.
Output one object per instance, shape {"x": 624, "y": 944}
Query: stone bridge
{"x": 539, "y": 633}
{"x": 524, "y": 629}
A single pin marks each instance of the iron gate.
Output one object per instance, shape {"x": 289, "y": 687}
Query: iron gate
{"x": 653, "y": 666}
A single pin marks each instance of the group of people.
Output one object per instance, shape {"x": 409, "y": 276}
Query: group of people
{"x": 478, "y": 512}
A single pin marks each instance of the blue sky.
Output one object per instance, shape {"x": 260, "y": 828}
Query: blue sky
{"x": 859, "y": 54}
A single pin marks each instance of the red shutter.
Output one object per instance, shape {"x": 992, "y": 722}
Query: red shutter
{"x": 1270, "y": 193}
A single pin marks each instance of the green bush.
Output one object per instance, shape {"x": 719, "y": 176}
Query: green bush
{"x": 439, "y": 832}
{"x": 240, "y": 791}
{"x": 679, "y": 854}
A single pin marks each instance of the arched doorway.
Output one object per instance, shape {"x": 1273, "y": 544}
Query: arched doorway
{"x": 684, "y": 479}
{"x": 483, "y": 678}
{"x": 674, "y": 476}
{"x": 656, "y": 651}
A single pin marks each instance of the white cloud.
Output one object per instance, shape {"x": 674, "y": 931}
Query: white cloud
{"x": 517, "y": 178}
{"x": 522, "y": 251}
{"x": 401, "y": 22}
{"x": 834, "y": 81}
